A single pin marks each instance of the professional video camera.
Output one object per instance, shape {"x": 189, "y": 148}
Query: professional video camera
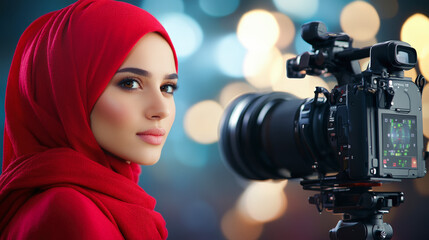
{"x": 366, "y": 131}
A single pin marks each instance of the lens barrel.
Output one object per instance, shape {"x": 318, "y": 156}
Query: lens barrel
{"x": 260, "y": 139}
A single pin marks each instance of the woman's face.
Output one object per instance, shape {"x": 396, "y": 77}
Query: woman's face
{"x": 134, "y": 114}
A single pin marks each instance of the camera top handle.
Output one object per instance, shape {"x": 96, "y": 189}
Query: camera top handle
{"x": 333, "y": 53}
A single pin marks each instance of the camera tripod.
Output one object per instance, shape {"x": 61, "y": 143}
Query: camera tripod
{"x": 362, "y": 208}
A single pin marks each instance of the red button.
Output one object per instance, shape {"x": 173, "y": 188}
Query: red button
{"x": 413, "y": 162}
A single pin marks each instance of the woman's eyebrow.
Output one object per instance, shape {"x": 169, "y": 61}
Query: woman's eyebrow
{"x": 137, "y": 71}
{"x": 172, "y": 76}
{"x": 145, "y": 73}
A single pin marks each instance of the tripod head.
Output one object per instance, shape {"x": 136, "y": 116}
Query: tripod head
{"x": 362, "y": 208}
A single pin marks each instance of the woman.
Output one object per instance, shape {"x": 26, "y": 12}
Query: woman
{"x": 89, "y": 99}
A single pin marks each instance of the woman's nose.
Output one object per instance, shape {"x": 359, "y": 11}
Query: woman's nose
{"x": 158, "y": 107}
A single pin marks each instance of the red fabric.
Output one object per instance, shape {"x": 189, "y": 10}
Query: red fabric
{"x": 62, "y": 64}
{"x": 61, "y": 203}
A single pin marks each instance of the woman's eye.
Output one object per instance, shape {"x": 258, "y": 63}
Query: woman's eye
{"x": 129, "y": 84}
{"x": 169, "y": 88}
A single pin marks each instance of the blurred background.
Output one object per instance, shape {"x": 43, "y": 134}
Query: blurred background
{"x": 227, "y": 48}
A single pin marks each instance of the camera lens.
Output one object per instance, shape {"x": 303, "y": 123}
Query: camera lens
{"x": 262, "y": 136}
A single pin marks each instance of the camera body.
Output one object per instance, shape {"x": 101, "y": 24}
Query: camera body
{"x": 375, "y": 127}
{"x": 373, "y": 119}
{"x": 368, "y": 128}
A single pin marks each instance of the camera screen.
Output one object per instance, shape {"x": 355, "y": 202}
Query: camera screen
{"x": 399, "y": 141}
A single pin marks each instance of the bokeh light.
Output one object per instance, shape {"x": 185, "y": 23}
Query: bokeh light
{"x": 367, "y": 43}
{"x": 278, "y": 70}
{"x": 360, "y": 20}
{"x": 185, "y": 33}
{"x": 232, "y": 91}
{"x": 230, "y": 55}
{"x": 263, "y": 201}
{"x": 258, "y": 30}
{"x": 159, "y": 8}
{"x": 287, "y": 30}
{"x": 301, "y": 10}
{"x": 202, "y": 121}
{"x": 262, "y": 68}
{"x": 424, "y": 62}
{"x": 413, "y": 32}
{"x": 219, "y": 8}
{"x": 236, "y": 227}
{"x": 412, "y": 73}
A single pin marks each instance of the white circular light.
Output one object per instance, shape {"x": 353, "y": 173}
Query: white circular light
{"x": 186, "y": 34}
{"x": 202, "y": 121}
{"x": 258, "y": 30}
{"x": 263, "y": 201}
{"x": 360, "y": 20}
{"x": 261, "y": 68}
{"x": 232, "y": 91}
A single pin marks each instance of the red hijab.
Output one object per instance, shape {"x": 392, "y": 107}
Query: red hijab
{"x": 63, "y": 62}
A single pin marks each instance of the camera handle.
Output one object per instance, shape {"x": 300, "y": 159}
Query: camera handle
{"x": 420, "y": 81}
{"x": 362, "y": 208}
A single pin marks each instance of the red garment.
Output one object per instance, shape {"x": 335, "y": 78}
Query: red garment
{"x": 57, "y": 183}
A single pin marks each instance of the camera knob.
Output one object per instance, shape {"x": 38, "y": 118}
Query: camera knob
{"x": 381, "y": 234}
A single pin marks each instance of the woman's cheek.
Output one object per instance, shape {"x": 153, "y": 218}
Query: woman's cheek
{"x": 114, "y": 110}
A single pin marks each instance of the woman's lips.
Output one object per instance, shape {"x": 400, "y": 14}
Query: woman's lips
{"x": 152, "y": 136}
